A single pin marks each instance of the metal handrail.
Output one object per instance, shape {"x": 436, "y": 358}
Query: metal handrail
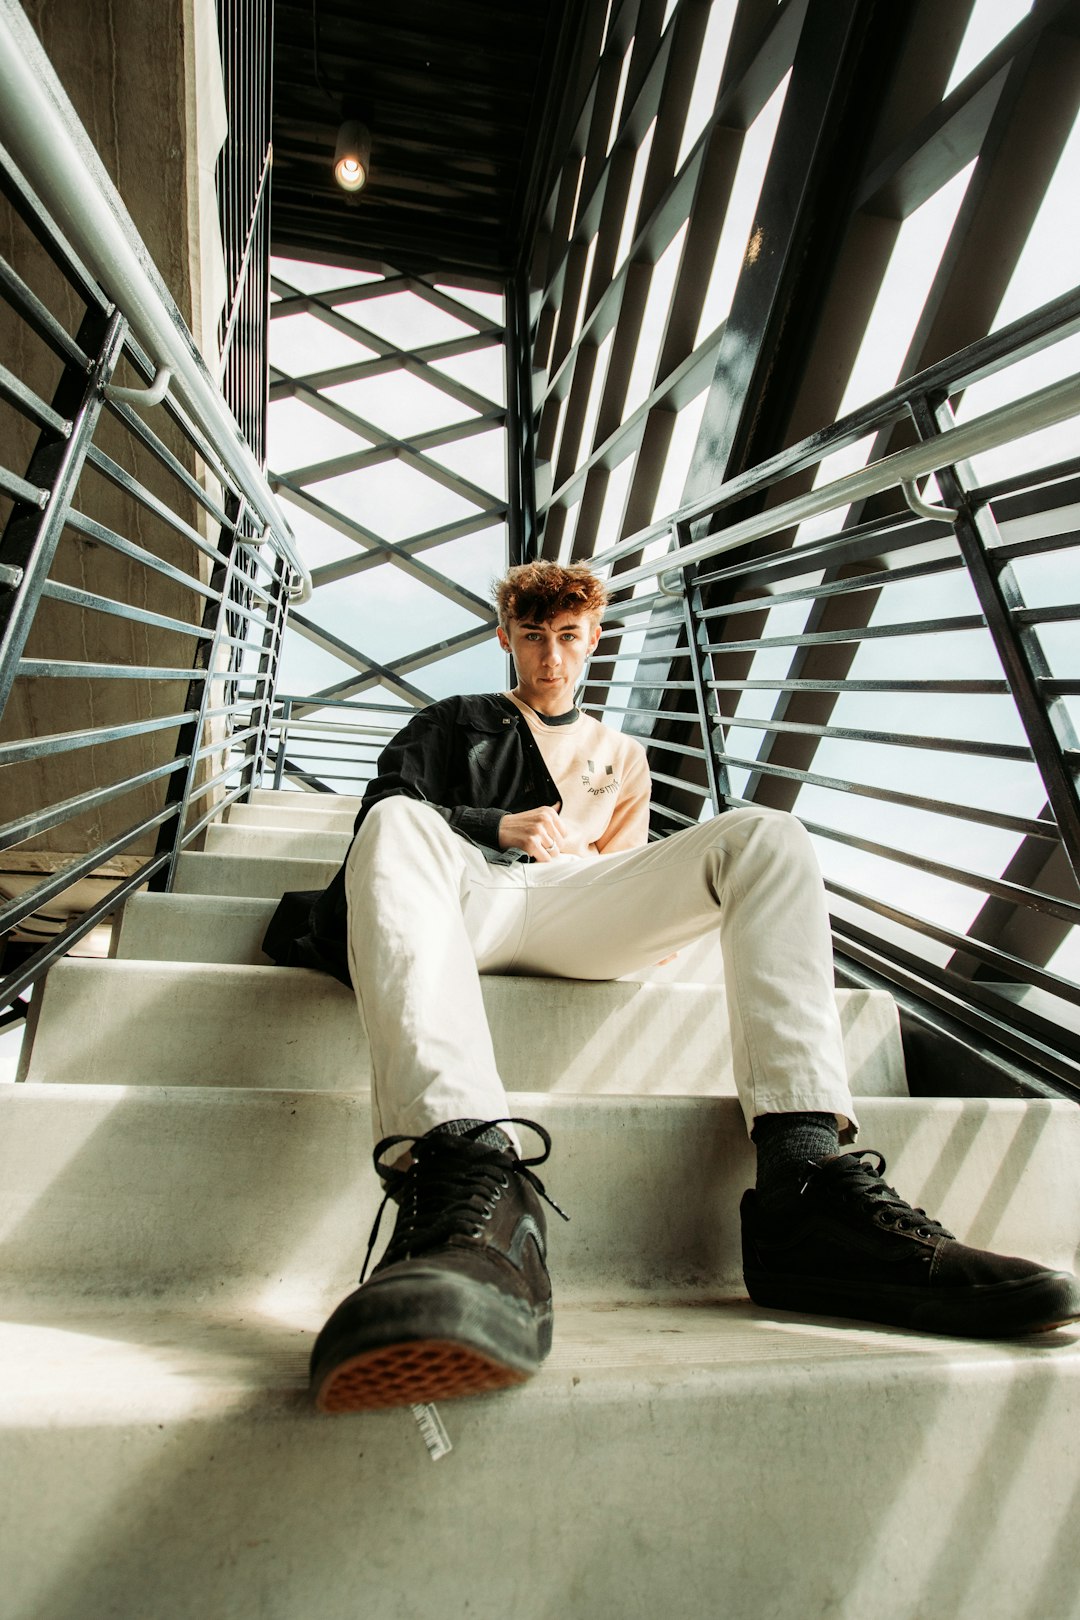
{"x": 44, "y": 135}
{"x": 1058, "y": 402}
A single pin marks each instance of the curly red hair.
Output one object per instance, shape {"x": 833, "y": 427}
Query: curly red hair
{"x": 538, "y": 591}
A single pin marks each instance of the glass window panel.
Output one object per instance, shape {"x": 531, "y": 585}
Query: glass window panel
{"x": 483, "y": 370}
{"x": 491, "y": 305}
{"x": 481, "y": 459}
{"x": 479, "y": 669}
{"x": 402, "y": 404}
{"x": 620, "y": 94}
{"x": 297, "y": 436}
{"x": 393, "y": 500}
{"x": 633, "y": 200}
{"x": 317, "y": 278}
{"x": 680, "y": 454}
{"x": 654, "y": 322}
{"x": 405, "y": 319}
{"x": 739, "y": 218}
{"x": 300, "y": 344}
{"x": 990, "y": 21}
{"x": 475, "y": 561}
{"x": 710, "y": 69}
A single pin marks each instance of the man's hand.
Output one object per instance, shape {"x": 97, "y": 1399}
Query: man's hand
{"x": 539, "y": 833}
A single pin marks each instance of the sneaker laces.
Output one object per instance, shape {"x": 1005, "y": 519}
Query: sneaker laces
{"x": 859, "y": 1180}
{"x": 450, "y": 1186}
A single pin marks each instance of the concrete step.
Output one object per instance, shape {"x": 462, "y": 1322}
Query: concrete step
{"x": 283, "y": 815}
{"x": 270, "y": 843}
{"x": 229, "y": 928}
{"x": 263, "y": 1200}
{"x": 182, "y": 1023}
{"x": 252, "y": 875}
{"x": 307, "y": 801}
{"x": 663, "y": 1456}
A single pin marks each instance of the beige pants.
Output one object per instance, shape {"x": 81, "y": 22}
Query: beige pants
{"x": 428, "y": 914}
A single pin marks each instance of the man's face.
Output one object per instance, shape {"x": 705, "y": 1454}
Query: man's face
{"x": 549, "y": 658}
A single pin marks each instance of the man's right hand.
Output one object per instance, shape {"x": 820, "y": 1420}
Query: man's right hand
{"x": 539, "y": 833}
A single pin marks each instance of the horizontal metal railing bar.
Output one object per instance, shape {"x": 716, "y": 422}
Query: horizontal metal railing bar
{"x": 669, "y": 814}
{"x": 62, "y": 742}
{"x": 355, "y": 704}
{"x": 321, "y": 757}
{"x": 20, "y": 490}
{"x": 212, "y": 782}
{"x": 69, "y": 669}
{"x": 895, "y": 739}
{"x": 40, "y": 821}
{"x": 133, "y": 487}
{"x": 1011, "y": 966}
{"x": 333, "y": 776}
{"x": 35, "y": 965}
{"x": 120, "y": 610}
{"x": 129, "y": 548}
{"x": 238, "y": 641}
{"x": 677, "y": 782}
{"x": 39, "y": 318}
{"x": 960, "y": 624}
{"x": 1016, "y": 894}
{"x": 967, "y": 1004}
{"x": 839, "y": 587}
{"x": 1063, "y": 613}
{"x": 654, "y": 742}
{"x": 1025, "y": 825}
{"x": 215, "y": 810}
{"x": 962, "y": 688}
{"x": 684, "y": 717}
{"x": 136, "y": 424}
{"x": 221, "y": 744}
{"x": 320, "y": 727}
{"x": 896, "y": 532}
{"x": 652, "y": 686}
{"x": 1045, "y": 407}
{"x": 641, "y": 657}
{"x": 1015, "y": 550}
{"x": 1055, "y": 688}
{"x": 643, "y": 604}
{"x": 1038, "y": 330}
{"x": 27, "y": 403}
{"x": 25, "y": 904}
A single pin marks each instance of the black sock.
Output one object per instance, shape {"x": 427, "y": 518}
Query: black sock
{"x": 784, "y": 1143}
{"x": 491, "y": 1137}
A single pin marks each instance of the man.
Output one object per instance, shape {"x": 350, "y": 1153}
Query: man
{"x": 508, "y": 833}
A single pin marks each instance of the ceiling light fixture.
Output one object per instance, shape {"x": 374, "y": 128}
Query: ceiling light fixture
{"x": 352, "y": 158}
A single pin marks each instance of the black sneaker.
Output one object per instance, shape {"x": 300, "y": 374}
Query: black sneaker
{"x": 460, "y": 1303}
{"x": 850, "y": 1246}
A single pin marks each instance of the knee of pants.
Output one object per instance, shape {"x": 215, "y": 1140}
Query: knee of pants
{"x": 399, "y": 821}
{"x": 771, "y": 835}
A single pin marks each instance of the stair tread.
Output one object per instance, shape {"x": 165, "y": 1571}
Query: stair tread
{"x": 149, "y": 1361}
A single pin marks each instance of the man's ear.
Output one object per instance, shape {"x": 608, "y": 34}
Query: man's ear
{"x": 594, "y": 638}
{"x": 504, "y": 640}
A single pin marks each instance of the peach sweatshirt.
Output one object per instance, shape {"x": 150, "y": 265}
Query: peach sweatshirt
{"x": 603, "y": 778}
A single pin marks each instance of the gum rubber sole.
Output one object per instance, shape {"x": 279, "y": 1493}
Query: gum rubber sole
{"x": 413, "y": 1373}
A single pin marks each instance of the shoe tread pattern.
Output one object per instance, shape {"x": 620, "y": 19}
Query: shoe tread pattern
{"x": 415, "y": 1373}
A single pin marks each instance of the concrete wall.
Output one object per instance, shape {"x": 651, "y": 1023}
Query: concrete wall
{"x": 140, "y": 77}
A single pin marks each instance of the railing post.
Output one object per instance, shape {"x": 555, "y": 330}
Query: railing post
{"x": 33, "y": 532}
{"x": 265, "y": 678}
{"x": 700, "y": 670}
{"x": 1018, "y": 647}
{"x": 180, "y": 784}
{"x": 283, "y": 731}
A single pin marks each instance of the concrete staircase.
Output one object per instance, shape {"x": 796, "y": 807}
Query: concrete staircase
{"x": 184, "y": 1194}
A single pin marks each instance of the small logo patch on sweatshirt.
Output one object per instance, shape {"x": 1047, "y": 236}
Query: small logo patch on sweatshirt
{"x": 607, "y": 781}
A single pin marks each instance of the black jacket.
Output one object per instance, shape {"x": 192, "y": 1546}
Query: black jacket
{"x": 474, "y": 760}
